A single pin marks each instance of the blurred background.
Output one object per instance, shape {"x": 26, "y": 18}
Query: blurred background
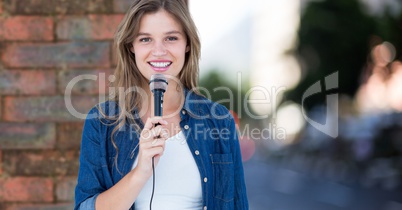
{"x": 316, "y": 86}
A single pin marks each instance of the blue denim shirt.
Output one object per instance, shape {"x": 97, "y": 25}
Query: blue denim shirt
{"x": 211, "y": 136}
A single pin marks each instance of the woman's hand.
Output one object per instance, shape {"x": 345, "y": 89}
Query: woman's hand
{"x": 152, "y": 144}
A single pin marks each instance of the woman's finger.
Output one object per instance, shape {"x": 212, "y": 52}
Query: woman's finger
{"x": 150, "y": 123}
{"x": 152, "y": 152}
{"x": 156, "y": 132}
{"x": 155, "y": 143}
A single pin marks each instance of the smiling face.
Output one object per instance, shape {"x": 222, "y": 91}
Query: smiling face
{"x": 160, "y": 45}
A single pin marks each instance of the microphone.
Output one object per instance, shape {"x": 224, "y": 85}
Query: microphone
{"x": 158, "y": 85}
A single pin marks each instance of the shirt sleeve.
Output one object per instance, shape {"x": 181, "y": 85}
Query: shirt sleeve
{"x": 88, "y": 204}
{"x": 90, "y": 182}
{"x": 240, "y": 194}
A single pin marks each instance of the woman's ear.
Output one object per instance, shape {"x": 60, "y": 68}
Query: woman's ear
{"x": 187, "y": 48}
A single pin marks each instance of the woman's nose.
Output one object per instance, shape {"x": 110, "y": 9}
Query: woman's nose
{"x": 159, "y": 49}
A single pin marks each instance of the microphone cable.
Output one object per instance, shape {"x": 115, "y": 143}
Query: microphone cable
{"x": 153, "y": 183}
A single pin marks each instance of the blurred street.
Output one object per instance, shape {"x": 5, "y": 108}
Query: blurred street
{"x": 280, "y": 185}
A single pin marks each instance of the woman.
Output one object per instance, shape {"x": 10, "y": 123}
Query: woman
{"x": 194, "y": 144}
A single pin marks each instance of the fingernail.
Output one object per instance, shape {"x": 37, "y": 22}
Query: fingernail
{"x": 165, "y": 122}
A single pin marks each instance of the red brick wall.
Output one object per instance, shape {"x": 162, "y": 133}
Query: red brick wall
{"x": 43, "y": 45}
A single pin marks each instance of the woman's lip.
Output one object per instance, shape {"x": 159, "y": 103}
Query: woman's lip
{"x": 160, "y": 61}
{"x": 160, "y": 69}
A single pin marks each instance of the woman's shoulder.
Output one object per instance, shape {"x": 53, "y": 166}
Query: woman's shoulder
{"x": 201, "y": 105}
{"x": 104, "y": 110}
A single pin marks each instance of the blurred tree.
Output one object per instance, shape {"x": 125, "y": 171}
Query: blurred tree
{"x": 337, "y": 35}
{"x": 216, "y": 88}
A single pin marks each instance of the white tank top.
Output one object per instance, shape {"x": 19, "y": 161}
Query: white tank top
{"x": 177, "y": 179}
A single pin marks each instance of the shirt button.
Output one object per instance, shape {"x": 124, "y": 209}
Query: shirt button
{"x": 205, "y": 207}
{"x": 186, "y": 127}
{"x": 205, "y": 179}
{"x": 197, "y": 152}
{"x": 183, "y": 111}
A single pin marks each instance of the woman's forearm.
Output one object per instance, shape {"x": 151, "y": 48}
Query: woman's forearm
{"x": 123, "y": 194}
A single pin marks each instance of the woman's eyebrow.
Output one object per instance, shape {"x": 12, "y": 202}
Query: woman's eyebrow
{"x": 167, "y": 33}
{"x": 143, "y": 34}
{"x": 173, "y": 32}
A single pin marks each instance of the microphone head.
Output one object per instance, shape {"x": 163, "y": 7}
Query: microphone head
{"x": 158, "y": 82}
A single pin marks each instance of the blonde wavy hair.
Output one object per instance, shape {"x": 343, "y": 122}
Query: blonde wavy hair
{"x": 127, "y": 75}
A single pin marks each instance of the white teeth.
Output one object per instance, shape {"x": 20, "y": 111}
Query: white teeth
{"x": 160, "y": 64}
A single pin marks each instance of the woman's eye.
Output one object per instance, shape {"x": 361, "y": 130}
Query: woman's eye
{"x": 171, "y": 38}
{"x": 145, "y": 39}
